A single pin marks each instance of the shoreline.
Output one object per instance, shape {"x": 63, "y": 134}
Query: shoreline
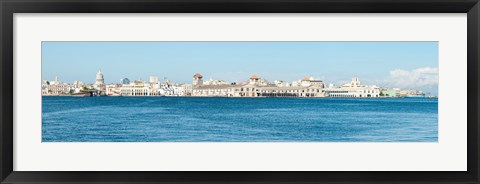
{"x": 246, "y": 97}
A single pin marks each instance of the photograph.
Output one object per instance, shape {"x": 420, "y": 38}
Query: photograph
{"x": 239, "y": 91}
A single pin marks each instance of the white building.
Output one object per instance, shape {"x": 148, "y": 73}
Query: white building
{"x": 280, "y": 83}
{"x": 137, "y": 88}
{"x": 153, "y": 79}
{"x": 187, "y": 89}
{"x": 99, "y": 79}
{"x": 354, "y": 89}
{"x": 214, "y": 82}
{"x": 113, "y": 89}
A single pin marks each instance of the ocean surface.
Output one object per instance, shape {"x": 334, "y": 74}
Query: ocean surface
{"x": 188, "y": 119}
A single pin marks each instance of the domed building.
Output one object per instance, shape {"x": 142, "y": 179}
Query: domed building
{"x": 100, "y": 83}
{"x": 99, "y": 79}
{"x": 125, "y": 81}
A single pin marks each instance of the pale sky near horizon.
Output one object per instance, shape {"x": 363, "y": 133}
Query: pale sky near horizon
{"x": 407, "y": 65}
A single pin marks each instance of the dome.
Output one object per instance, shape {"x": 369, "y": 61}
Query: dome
{"x": 197, "y": 75}
{"x": 125, "y": 81}
{"x": 254, "y": 77}
{"x": 99, "y": 78}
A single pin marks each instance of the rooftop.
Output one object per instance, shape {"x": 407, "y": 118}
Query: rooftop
{"x": 254, "y": 77}
{"x": 197, "y": 75}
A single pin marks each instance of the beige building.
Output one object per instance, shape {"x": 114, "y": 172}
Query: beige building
{"x": 113, "y": 89}
{"x": 407, "y": 93}
{"x": 140, "y": 88}
{"x": 55, "y": 88}
{"x": 256, "y": 87}
{"x": 135, "y": 88}
{"x": 187, "y": 89}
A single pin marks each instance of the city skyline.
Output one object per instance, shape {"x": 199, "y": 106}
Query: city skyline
{"x": 409, "y": 65}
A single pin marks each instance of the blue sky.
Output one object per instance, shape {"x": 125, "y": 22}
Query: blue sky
{"x": 390, "y": 64}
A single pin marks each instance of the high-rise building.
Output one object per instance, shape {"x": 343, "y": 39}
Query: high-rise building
{"x": 124, "y": 81}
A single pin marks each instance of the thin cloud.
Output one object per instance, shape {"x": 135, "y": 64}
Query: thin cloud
{"x": 420, "y": 77}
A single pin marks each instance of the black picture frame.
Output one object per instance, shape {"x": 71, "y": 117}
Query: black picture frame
{"x": 9, "y": 7}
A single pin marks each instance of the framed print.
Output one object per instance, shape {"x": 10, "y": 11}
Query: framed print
{"x": 240, "y": 91}
{"x": 330, "y": 112}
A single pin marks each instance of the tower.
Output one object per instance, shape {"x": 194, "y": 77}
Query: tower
{"x": 254, "y": 79}
{"x": 197, "y": 80}
{"x": 355, "y": 82}
{"x": 99, "y": 79}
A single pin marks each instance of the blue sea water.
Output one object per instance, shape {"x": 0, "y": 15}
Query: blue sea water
{"x": 187, "y": 119}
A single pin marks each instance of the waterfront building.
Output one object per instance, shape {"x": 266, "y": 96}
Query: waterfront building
{"x": 78, "y": 84}
{"x": 392, "y": 93}
{"x": 292, "y": 91}
{"x": 214, "y": 82}
{"x": 76, "y": 87}
{"x": 177, "y": 90}
{"x": 167, "y": 88}
{"x": 187, "y": 89}
{"x": 135, "y": 88}
{"x": 353, "y": 89}
{"x": 142, "y": 88}
{"x": 213, "y": 90}
{"x": 257, "y": 81}
{"x": 412, "y": 93}
{"x": 55, "y": 87}
{"x": 307, "y": 81}
{"x": 257, "y": 87}
{"x": 44, "y": 87}
{"x": 154, "y": 86}
{"x": 113, "y": 89}
{"x": 280, "y": 83}
{"x": 58, "y": 89}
